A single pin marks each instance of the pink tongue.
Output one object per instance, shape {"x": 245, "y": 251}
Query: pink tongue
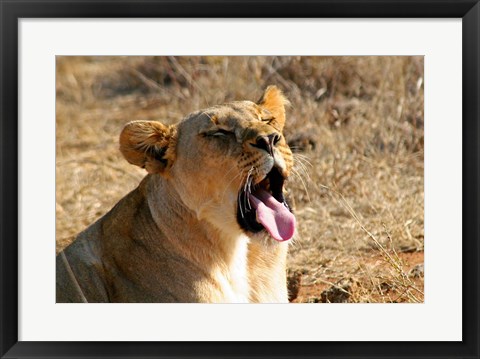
{"x": 273, "y": 215}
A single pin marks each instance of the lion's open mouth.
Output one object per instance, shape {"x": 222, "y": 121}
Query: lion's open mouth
{"x": 263, "y": 207}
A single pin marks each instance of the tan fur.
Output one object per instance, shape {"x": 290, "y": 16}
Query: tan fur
{"x": 175, "y": 238}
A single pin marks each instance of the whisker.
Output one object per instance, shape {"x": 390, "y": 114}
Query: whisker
{"x": 301, "y": 163}
{"x": 249, "y": 190}
{"x": 304, "y": 164}
{"x": 239, "y": 197}
{"x": 295, "y": 172}
{"x": 240, "y": 204}
{"x": 304, "y": 171}
{"x": 246, "y": 188}
{"x": 303, "y": 157}
{"x": 233, "y": 179}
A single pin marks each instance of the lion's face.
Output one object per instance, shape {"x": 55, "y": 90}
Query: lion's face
{"x": 228, "y": 163}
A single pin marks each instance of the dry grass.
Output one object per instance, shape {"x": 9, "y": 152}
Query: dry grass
{"x": 356, "y": 125}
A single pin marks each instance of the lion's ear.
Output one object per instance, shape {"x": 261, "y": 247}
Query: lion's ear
{"x": 274, "y": 102}
{"x": 149, "y": 144}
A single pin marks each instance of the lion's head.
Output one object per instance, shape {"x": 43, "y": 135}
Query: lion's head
{"x": 228, "y": 163}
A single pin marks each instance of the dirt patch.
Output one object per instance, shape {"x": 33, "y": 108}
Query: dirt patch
{"x": 377, "y": 286}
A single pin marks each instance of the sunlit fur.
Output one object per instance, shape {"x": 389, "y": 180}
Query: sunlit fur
{"x": 176, "y": 238}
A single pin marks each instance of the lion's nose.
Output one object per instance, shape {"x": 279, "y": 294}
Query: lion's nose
{"x": 267, "y": 143}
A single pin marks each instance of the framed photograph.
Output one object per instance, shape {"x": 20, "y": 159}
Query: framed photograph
{"x": 317, "y": 160}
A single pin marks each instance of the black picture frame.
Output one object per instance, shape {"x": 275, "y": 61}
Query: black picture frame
{"x": 12, "y": 11}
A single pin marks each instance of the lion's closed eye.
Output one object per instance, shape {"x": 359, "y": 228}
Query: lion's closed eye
{"x": 222, "y": 132}
{"x": 219, "y": 133}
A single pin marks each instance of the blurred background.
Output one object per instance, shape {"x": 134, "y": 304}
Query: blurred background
{"x": 355, "y": 127}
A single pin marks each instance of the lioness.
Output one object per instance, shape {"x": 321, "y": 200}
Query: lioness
{"x": 209, "y": 223}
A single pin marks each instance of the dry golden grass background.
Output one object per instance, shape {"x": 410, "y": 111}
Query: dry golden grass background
{"x": 355, "y": 125}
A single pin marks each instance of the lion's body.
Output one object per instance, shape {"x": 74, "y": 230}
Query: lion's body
{"x": 176, "y": 238}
